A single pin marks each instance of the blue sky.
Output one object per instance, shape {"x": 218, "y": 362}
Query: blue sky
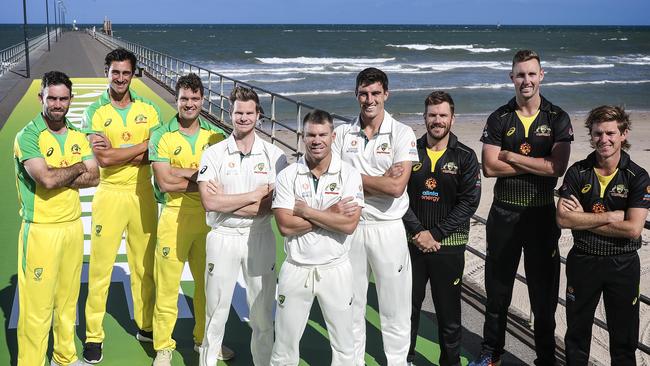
{"x": 520, "y": 12}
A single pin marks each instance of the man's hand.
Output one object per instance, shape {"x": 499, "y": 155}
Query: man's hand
{"x": 299, "y": 208}
{"x": 213, "y": 187}
{"x": 396, "y": 170}
{"x": 99, "y": 141}
{"x": 425, "y": 242}
{"x": 346, "y": 206}
{"x": 572, "y": 204}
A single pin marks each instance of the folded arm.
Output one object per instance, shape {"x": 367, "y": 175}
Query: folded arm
{"x": 392, "y": 183}
{"x": 50, "y": 177}
{"x": 89, "y": 178}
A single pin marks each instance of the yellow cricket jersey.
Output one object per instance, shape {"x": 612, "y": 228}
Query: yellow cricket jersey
{"x": 169, "y": 144}
{"x": 38, "y": 204}
{"x": 102, "y": 117}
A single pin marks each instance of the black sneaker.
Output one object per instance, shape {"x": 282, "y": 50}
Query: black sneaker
{"x": 144, "y": 336}
{"x": 93, "y": 352}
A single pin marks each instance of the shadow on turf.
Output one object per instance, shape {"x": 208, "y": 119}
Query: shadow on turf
{"x": 7, "y": 295}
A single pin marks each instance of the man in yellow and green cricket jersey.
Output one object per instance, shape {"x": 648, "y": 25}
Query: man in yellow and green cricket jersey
{"x": 120, "y": 123}
{"x": 53, "y": 160}
{"x": 175, "y": 151}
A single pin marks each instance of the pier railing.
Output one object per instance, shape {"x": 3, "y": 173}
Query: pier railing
{"x": 13, "y": 55}
{"x": 281, "y": 119}
{"x": 285, "y": 115}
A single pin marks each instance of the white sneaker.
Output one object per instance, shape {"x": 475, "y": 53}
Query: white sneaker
{"x": 163, "y": 358}
{"x": 224, "y": 355}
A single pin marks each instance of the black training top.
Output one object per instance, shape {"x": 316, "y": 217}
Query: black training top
{"x": 629, "y": 188}
{"x": 444, "y": 201}
{"x": 504, "y": 129}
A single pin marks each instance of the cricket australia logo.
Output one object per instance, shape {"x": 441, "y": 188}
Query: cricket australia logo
{"x": 98, "y": 230}
{"x": 38, "y": 273}
{"x": 76, "y": 150}
{"x": 281, "y": 299}
{"x": 259, "y": 169}
{"x": 383, "y": 148}
{"x": 619, "y": 190}
{"x": 140, "y": 118}
{"x": 210, "y": 267}
{"x": 450, "y": 168}
{"x": 165, "y": 251}
{"x": 331, "y": 189}
{"x": 543, "y": 130}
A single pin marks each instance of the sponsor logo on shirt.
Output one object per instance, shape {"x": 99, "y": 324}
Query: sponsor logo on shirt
{"x": 178, "y": 150}
{"x": 485, "y": 131}
{"x": 50, "y": 151}
{"x": 108, "y": 122}
{"x": 203, "y": 169}
{"x": 383, "y": 148}
{"x": 430, "y": 194}
{"x": 511, "y": 131}
{"x": 417, "y": 167}
{"x": 231, "y": 165}
{"x": 543, "y": 131}
{"x": 619, "y": 190}
{"x": 450, "y": 168}
{"x": 353, "y": 148}
{"x": 140, "y": 118}
{"x": 126, "y": 136}
{"x": 194, "y": 165}
{"x": 598, "y": 207}
{"x": 647, "y": 195}
{"x": 525, "y": 148}
{"x": 586, "y": 188}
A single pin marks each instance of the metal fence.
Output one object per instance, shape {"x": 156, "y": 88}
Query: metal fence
{"x": 166, "y": 69}
{"x": 281, "y": 119}
{"x": 13, "y": 55}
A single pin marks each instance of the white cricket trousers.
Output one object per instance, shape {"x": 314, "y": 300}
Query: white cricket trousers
{"x": 228, "y": 250}
{"x": 380, "y": 248}
{"x": 297, "y": 287}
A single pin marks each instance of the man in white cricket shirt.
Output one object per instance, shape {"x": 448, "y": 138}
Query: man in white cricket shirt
{"x": 317, "y": 204}
{"x": 235, "y": 183}
{"x": 382, "y": 149}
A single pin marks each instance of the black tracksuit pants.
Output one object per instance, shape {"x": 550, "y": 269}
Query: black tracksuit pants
{"x": 508, "y": 230}
{"x": 617, "y": 278}
{"x": 444, "y": 271}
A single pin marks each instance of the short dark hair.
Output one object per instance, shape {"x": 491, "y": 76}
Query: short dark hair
{"x": 608, "y": 113}
{"x": 56, "y": 78}
{"x": 319, "y": 117}
{"x": 525, "y": 55}
{"x": 243, "y": 94}
{"x": 371, "y": 75}
{"x": 190, "y": 81}
{"x": 439, "y": 97}
{"x": 120, "y": 54}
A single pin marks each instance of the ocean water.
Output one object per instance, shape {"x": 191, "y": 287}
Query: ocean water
{"x": 585, "y": 66}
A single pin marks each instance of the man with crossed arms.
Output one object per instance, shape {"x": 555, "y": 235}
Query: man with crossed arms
{"x": 382, "y": 149}
{"x": 235, "y": 183}
{"x": 317, "y": 204}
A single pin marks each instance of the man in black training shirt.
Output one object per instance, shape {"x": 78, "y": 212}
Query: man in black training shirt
{"x": 604, "y": 201}
{"x": 444, "y": 192}
{"x": 526, "y": 145}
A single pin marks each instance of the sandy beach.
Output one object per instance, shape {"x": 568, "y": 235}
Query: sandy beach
{"x": 468, "y": 129}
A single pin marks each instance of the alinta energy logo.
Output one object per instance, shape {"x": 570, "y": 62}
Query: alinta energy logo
{"x": 525, "y": 148}
{"x": 430, "y": 195}
{"x": 598, "y": 207}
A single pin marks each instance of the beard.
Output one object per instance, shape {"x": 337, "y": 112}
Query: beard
{"x": 437, "y": 134}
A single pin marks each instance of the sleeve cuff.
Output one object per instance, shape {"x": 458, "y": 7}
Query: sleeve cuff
{"x": 436, "y": 234}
